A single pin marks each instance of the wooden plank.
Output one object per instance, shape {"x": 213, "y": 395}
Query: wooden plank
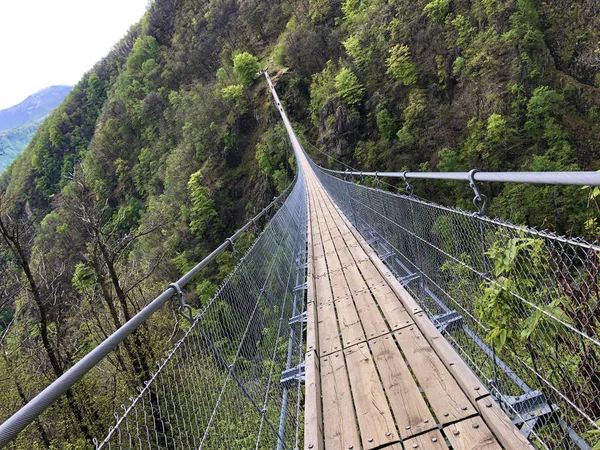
{"x": 329, "y": 336}
{"x": 339, "y": 422}
{"x": 409, "y": 407}
{"x": 354, "y": 279}
{"x": 370, "y": 272}
{"x": 349, "y": 322}
{"x": 471, "y": 433}
{"x": 312, "y": 340}
{"x": 433, "y": 440}
{"x": 393, "y": 310}
{"x": 320, "y": 266}
{"x": 313, "y": 418}
{"x": 371, "y": 319}
{"x": 339, "y": 285}
{"x": 447, "y": 400}
{"x": 323, "y": 292}
{"x": 345, "y": 256}
{"x": 333, "y": 262}
{"x": 374, "y": 417}
{"x": 505, "y": 431}
{"x": 465, "y": 377}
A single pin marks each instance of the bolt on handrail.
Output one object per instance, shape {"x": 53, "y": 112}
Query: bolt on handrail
{"x": 583, "y": 178}
{"x": 36, "y": 406}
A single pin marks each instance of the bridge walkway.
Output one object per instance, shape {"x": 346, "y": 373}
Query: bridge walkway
{"x": 379, "y": 374}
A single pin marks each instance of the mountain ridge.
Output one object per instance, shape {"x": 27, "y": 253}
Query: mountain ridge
{"x": 34, "y": 107}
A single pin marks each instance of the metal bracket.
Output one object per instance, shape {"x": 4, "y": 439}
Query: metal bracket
{"x": 300, "y": 318}
{"x": 301, "y": 267}
{"x": 183, "y": 306}
{"x": 386, "y": 256}
{"x": 448, "y": 321}
{"x": 408, "y": 278}
{"x": 529, "y": 411}
{"x": 301, "y": 287}
{"x": 294, "y": 376}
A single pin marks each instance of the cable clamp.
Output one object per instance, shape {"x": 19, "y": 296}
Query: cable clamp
{"x": 408, "y": 187}
{"x": 184, "y": 309}
{"x": 480, "y": 200}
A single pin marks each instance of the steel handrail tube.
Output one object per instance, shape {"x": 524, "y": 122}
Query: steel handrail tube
{"x": 583, "y": 178}
{"x": 36, "y": 406}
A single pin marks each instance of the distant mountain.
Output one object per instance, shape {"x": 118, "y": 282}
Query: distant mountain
{"x": 19, "y": 123}
{"x": 33, "y": 107}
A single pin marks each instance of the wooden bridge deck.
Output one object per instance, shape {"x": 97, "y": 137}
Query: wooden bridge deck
{"x": 379, "y": 374}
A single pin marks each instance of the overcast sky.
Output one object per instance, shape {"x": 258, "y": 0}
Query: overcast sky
{"x": 50, "y": 42}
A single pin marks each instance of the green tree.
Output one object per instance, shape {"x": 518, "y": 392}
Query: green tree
{"x": 348, "y": 87}
{"x": 245, "y": 67}
{"x": 203, "y": 214}
{"x": 400, "y": 65}
{"x": 385, "y": 124}
{"x": 437, "y": 9}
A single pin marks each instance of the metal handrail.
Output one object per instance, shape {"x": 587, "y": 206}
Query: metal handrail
{"x": 584, "y": 178}
{"x": 36, "y": 406}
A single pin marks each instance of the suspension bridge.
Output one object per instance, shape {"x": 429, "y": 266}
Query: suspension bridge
{"x": 361, "y": 319}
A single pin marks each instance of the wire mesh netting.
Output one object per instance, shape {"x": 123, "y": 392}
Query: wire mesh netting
{"x": 521, "y": 306}
{"x": 232, "y": 380}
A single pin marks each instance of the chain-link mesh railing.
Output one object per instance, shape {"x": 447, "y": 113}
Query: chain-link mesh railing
{"x": 521, "y": 306}
{"x": 233, "y": 376}
{"x": 232, "y": 381}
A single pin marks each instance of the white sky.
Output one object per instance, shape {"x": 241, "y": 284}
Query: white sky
{"x": 50, "y": 42}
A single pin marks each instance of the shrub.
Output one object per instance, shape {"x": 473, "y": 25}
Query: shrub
{"x": 458, "y": 66}
{"x": 234, "y": 94}
{"x": 245, "y": 67}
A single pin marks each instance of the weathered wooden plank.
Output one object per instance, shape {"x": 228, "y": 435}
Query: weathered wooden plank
{"x": 329, "y": 336}
{"x": 320, "y": 266}
{"x": 393, "y": 310}
{"x": 374, "y": 417}
{"x": 323, "y": 292}
{"x": 313, "y": 417}
{"x": 339, "y": 422}
{"x": 339, "y": 285}
{"x": 312, "y": 340}
{"x": 349, "y": 322}
{"x": 354, "y": 279}
{"x": 465, "y": 377}
{"x": 471, "y": 433}
{"x": 433, "y": 440}
{"x": 505, "y": 431}
{"x": 333, "y": 262}
{"x": 372, "y": 321}
{"x": 370, "y": 272}
{"x": 447, "y": 400}
{"x": 411, "y": 411}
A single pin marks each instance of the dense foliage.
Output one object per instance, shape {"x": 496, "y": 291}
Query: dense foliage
{"x": 454, "y": 85}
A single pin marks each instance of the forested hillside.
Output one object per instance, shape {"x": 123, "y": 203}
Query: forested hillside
{"x": 170, "y": 143}
{"x": 14, "y": 141}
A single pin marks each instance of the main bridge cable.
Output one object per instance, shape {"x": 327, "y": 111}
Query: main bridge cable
{"x": 36, "y": 406}
{"x": 580, "y": 178}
